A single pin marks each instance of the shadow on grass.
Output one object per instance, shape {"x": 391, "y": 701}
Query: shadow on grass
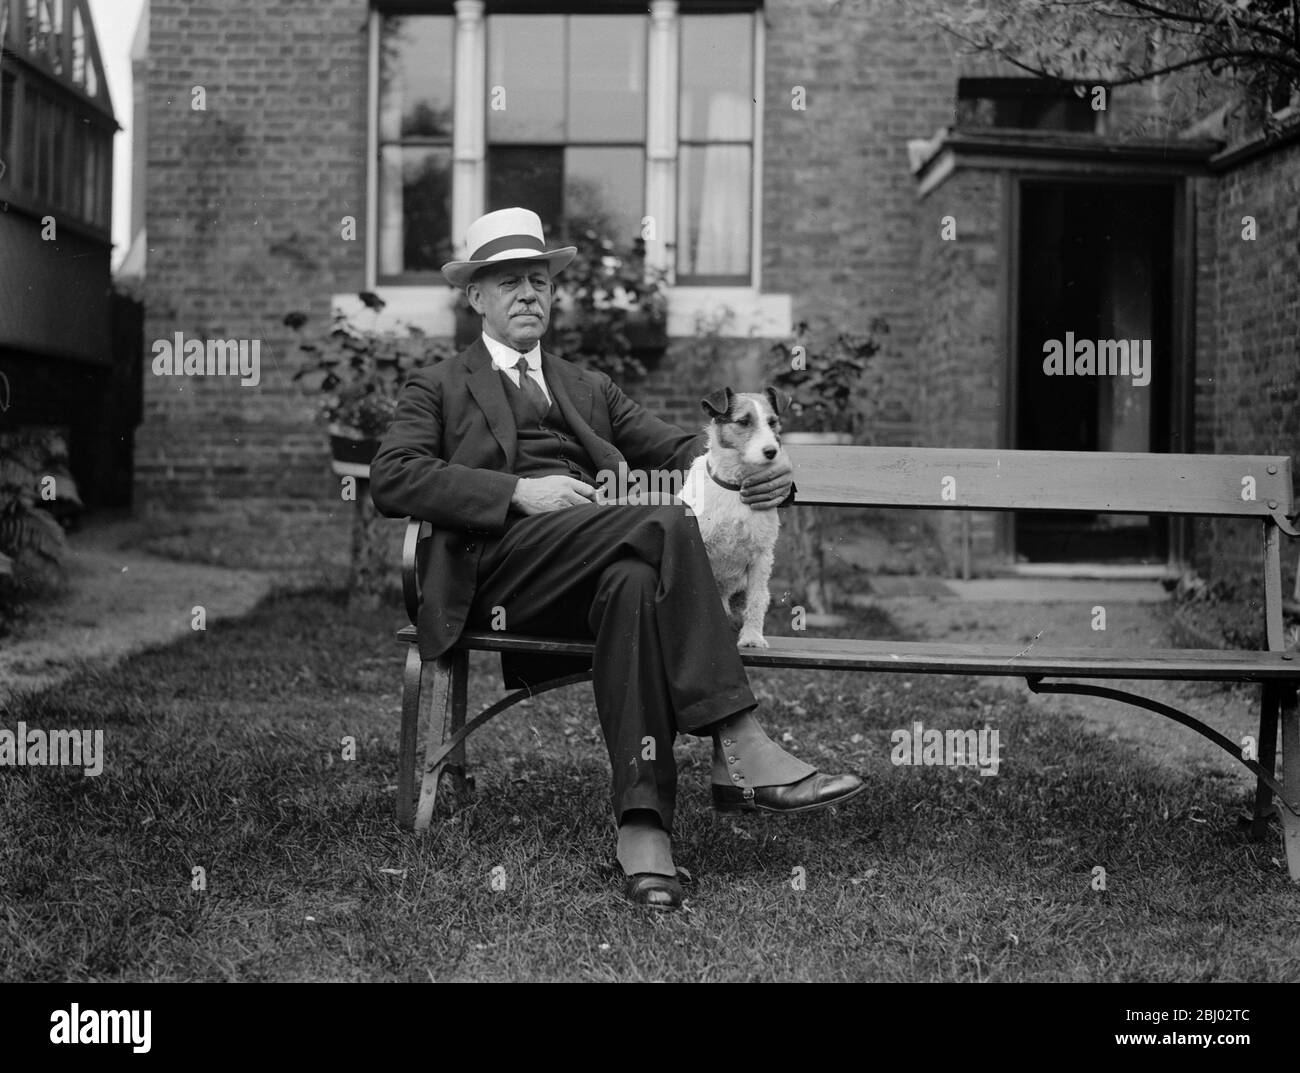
{"x": 224, "y": 753}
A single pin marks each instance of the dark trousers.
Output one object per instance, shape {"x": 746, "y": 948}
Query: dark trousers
{"x": 637, "y": 579}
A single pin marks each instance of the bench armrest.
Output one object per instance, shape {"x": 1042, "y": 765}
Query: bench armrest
{"x": 416, "y": 532}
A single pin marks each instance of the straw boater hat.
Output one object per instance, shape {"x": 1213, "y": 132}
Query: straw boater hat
{"x": 505, "y": 235}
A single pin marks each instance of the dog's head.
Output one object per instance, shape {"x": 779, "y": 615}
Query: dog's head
{"x": 747, "y": 426}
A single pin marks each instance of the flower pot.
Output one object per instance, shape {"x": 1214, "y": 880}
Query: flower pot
{"x": 352, "y": 451}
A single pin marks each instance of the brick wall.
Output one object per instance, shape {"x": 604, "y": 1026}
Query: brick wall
{"x": 245, "y": 198}
{"x": 1249, "y": 342}
{"x": 243, "y": 208}
{"x": 840, "y": 230}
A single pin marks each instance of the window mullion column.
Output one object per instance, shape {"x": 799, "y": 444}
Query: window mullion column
{"x": 469, "y": 129}
{"x": 661, "y": 133}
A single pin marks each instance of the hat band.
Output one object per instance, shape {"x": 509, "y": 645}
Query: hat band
{"x": 507, "y": 242}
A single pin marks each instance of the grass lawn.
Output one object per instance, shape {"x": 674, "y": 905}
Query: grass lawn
{"x": 224, "y": 752}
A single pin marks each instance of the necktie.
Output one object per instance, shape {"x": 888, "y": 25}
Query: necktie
{"x": 532, "y": 392}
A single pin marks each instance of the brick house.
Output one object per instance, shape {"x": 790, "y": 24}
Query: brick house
{"x": 783, "y": 151}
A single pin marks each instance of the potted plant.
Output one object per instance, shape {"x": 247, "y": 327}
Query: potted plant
{"x": 822, "y": 381}
{"x": 611, "y": 308}
{"x": 359, "y": 370}
{"x": 827, "y": 406}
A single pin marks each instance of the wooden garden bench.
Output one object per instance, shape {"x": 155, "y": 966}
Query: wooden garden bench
{"x": 1223, "y": 486}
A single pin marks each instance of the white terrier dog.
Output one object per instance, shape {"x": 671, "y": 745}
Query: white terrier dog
{"x": 744, "y": 436}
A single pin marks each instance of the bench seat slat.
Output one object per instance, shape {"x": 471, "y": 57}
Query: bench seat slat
{"x": 1115, "y": 482}
{"x": 1016, "y": 661}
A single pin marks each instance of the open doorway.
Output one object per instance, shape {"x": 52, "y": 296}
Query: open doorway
{"x": 1094, "y": 354}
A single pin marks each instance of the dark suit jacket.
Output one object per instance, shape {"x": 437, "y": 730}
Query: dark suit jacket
{"x": 449, "y": 455}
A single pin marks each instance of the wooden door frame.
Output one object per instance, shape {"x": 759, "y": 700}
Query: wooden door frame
{"x": 1182, "y": 301}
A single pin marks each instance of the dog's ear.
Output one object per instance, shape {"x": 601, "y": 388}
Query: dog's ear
{"x": 718, "y": 404}
{"x": 778, "y": 399}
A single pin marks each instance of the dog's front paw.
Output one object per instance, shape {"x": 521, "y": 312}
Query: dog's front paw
{"x": 752, "y": 639}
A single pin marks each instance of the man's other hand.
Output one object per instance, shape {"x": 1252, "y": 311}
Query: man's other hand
{"x": 537, "y": 495}
{"x": 767, "y": 488}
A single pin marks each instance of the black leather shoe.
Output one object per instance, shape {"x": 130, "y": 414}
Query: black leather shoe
{"x": 653, "y": 890}
{"x": 816, "y": 791}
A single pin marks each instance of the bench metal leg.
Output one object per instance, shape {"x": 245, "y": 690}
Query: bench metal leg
{"x": 410, "y": 735}
{"x": 445, "y": 690}
{"x": 1267, "y": 751}
{"x": 1290, "y": 779}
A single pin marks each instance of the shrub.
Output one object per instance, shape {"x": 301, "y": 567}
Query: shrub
{"x": 360, "y": 369}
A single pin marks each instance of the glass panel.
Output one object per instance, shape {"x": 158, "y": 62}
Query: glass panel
{"x": 74, "y": 180}
{"x": 78, "y": 49}
{"x": 714, "y": 210}
{"x": 526, "y": 63}
{"x": 604, "y": 191}
{"x": 27, "y": 138}
{"x": 49, "y": 23}
{"x": 8, "y": 90}
{"x": 33, "y": 40}
{"x": 57, "y": 146}
{"x": 532, "y": 178}
{"x": 48, "y": 127}
{"x": 415, "y": 77}
{"x": 606, "y": 78}
{"x": 414, "y": 209}
{"x": 104, "y": 210}
{"x": 717, "y": 78}
{"x": 89, "y": 176}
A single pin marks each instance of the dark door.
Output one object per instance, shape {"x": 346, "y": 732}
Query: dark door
{"x": 1094, "y": 363}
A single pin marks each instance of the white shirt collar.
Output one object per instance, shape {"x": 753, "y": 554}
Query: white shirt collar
{"x": 505, "y": 357}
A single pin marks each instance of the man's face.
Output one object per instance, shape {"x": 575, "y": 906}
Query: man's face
{"x": 514, "y": 300}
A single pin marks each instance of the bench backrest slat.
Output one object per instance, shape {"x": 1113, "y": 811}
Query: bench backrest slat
{"x": 1244, "y": 486}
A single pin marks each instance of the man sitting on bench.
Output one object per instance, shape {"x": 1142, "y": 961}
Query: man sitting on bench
{"x": 499, "y": 448}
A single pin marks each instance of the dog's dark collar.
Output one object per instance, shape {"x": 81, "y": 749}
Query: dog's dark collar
{"x": 718, "y": 480}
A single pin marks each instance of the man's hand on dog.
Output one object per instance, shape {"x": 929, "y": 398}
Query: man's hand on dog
{"x": 537, "y": 495}
{"x": 767, "y": 488}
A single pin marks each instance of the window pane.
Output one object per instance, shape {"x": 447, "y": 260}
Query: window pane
{"x": 27, "y": 136}
{"x": 604, "y": 191}
{"x": 78, "y": 49}
{"x": 714, "y": 211}
{"x": 8, "y": 90}
{"x": 526, "y": 62}
{"x": 606, "y": 78}
{"x": 532, "y": 178}
{"x": 75, "y": 171}
{"x": 415, "y": 77}
{"x": 58, "y": 143}
{"x": 414, "y": 209}
{"x": 717, "y": 78}
{"x": 104, "y": 210}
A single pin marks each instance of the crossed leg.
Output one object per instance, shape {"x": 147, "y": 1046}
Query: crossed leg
{"x": 638, "y": 580}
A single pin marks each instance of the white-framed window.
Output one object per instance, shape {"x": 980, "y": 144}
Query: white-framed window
{"x": 614, "y": 117}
